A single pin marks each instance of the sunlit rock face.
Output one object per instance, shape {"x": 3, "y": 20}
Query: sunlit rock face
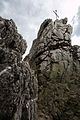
{"x": 18, "y": 85}
{"x": 57, "y": 66}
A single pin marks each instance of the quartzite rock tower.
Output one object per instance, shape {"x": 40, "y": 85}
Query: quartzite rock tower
{"x": 57, "y": 66}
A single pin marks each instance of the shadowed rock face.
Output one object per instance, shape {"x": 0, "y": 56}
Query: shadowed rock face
{"x": 57, "y": 66}
{"x": 18, "y": 85}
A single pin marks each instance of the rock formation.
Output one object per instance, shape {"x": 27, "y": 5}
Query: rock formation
{"x": 57, "y": 66}
{"x": 53, "y": 61}
{"x": 18, "y": 85}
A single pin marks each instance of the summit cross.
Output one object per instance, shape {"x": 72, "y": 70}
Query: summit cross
{"x": 56, "y": 14}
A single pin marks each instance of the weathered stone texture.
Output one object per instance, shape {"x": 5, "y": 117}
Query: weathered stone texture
{"x": 18, "y": 85}
{"x": 57, "y": 66}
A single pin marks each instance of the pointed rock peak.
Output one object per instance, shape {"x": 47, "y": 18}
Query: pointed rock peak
{"x": 59, "y": 28}
{"x": 52, "y": 35}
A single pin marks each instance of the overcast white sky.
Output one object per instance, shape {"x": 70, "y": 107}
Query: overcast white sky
{"x": 29, "y": 14}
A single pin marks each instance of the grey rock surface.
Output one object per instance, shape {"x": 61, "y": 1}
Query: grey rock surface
{"x": 51, "y": 35}
{"x": 18, "y": 85}
{"x": 57, "y": 66}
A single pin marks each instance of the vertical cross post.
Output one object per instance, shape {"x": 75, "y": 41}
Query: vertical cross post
{"x": 56, "y": 14}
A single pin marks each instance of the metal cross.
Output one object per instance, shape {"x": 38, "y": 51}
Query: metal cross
{"x": 56, "y": 14}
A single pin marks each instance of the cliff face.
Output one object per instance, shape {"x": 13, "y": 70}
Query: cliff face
{"x": 18, "y": 85}
{"x": 57, "y": 66}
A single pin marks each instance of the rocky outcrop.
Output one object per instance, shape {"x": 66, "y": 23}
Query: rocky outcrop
{"x": 18, "y": 85}
{"x": 57, "y": 66}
